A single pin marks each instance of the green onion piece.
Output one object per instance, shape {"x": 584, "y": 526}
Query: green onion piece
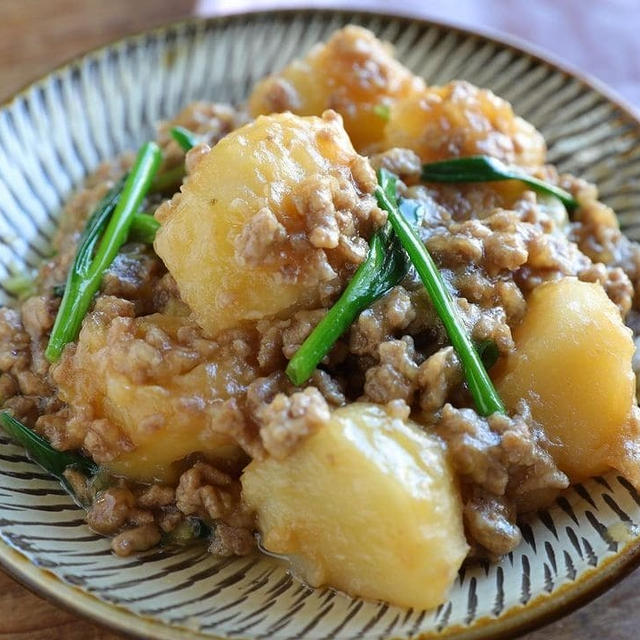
{"x": 484, "y": 394}
{"x": 114, "y": 215}
{"x": 171, "y": 179}
{"x": 384, "y": 267}
{"x": 189, "y": 530}
{"x": 488, "y": 352}
{"x": 51, "y": 460}
{"x": 488, "y": 169}
{"x": 383, "y": 111}
{"x": 185, "y": 138}
{"x": 143, "y": 228}
{"x": 168, "y": 180}
{"x": 21, "y": 285}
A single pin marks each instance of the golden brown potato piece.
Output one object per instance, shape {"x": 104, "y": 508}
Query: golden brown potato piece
{"x": 572, "y": 364}
{"x": 153, "y": 392}
{"x": 272, "y": 219}
{"x": 353, "y": 73}
{"x": 367, "y": 504}
{"x": 462, "y": 120}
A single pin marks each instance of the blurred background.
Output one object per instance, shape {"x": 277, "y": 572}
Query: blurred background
{"x": 599, "y": 37}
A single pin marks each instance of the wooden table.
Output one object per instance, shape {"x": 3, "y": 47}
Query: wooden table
{"x": 35, "y": 35}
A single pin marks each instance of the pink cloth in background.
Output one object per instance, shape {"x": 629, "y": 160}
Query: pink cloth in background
{"x": 599, "y": 37}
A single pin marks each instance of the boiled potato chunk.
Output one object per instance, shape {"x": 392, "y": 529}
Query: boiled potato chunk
{"x": 368, "y": 504}
{"x": 572, "y": 364}
{"x": 459, "y": 119}
{"x": 164, "y": 393}
{"x": 353, "y": 73}
{"x": 234, "y": 239}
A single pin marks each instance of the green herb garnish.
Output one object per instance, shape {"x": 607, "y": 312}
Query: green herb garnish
{"x": 383, "y": 111}
{"x": 110, "y": 224}
{"x": 484, "y": 394}
{"x": 168, "y": 180}
{"x": 188, "y": 531}
{"x": 143, "y": 228}
{"x": 51, "y": 460}
{"x": 488, "y": 352}
{"x": 185, "y": 138}
{"x": 21, "y": 285}
{"x": 487, "y": 169}
{"x": 384, "y": 267}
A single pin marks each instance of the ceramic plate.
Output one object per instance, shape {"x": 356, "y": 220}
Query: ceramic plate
{"x": 56, "y": 131}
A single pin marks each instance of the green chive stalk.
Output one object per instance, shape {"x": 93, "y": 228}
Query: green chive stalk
{"x": 143, "y": 228}
{"x": 488, "y": 169}
{"x": 51, "y": 460}
{"x": 114, "y": 215}
{"x": 484, "y": 394}
{"x": 384, "y": 267}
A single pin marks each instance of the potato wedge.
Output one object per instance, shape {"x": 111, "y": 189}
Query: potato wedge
{"x": 368, "y": 504}
{"x": 353, "y": 73}
{"x": 459, "y": 119}
{"x": 271, "y": 220}
{"x": 153, "y": 392}
{"x": 572, "y": 364}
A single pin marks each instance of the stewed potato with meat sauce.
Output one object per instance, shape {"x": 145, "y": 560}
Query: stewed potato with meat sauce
{"x": 353, "y": 73}
{"x": 270, "y": 221}
{"x": 262, "y": 361}
{"x": 368, "y": 504}
{"x": 572, "y": 365}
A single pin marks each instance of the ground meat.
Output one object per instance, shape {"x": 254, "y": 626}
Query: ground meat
{"x": 136, "y": 539}
{"x": 133, "y": 275}
{"x": 534, "y": 478}
{"x": 492, "y": 451}
{"x": 214, "y": 496}
{"x": 403, "y": 162}
{"x": 490, "y": 521}
{"x": 331, "y": 389}
{"x": 474, "y": 448}
{"x": 437, "y": 377}
{"x": 340, "y": 211}
{"x": 26, "y": 388}
{"x": 394, "y": 378}
{"x": 392, "y": 313}
{"x": 157, "y": 496}
{"x": 259, "y": 238}
{"x": 505, "y": 470}
{"x": 38, "y": 316}
{"x": 263, "y": 390}
{"x": 298, "y": 329}
{"x": 14, "y": 342}
{"x": 287, "y": 420}
{"x": 231, "y": 541}
{"x": 486, "y": 324}
{"x": 110, "y": 511}
{"x": 80, "y": 485}
{"x": 106, "y": 441}
{"x": 614, "y": 281}
{"x": 170, "y": 519}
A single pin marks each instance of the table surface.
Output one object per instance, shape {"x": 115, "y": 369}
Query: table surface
{"x": 597, "y": 35}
